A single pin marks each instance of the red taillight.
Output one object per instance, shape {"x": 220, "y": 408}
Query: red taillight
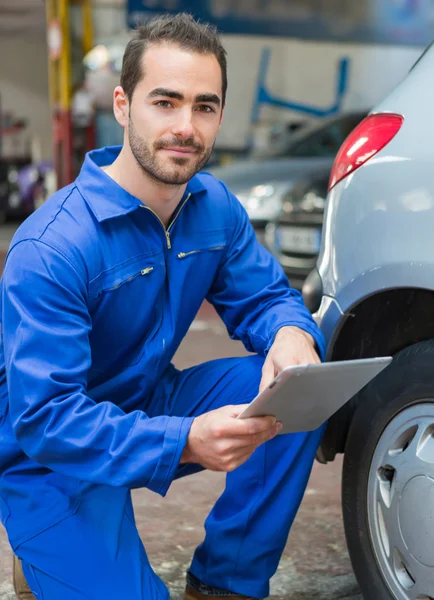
{"x": 368, "y": 138}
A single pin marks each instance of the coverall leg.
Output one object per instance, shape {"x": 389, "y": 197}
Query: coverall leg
{"x": 97, "y": 552}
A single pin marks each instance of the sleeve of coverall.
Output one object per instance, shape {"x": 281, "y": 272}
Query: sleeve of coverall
{"x": 251, "y": 292}
{"x": 46, "y": 327}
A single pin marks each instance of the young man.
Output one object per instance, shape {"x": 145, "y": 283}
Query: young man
{"x": 100, "y": 286}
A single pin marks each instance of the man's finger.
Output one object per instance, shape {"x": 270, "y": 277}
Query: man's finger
{"x": 243, "y": 453}
{"x": 249, "y": 426}
{"x": 255, "y": 439}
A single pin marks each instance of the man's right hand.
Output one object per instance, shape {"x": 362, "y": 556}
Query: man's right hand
{"x": 220, "y": 442}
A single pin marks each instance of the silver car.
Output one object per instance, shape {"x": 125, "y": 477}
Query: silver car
{"x": 373, "y": 295}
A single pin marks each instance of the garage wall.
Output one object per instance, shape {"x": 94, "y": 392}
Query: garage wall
{"x": 303, "y": 72}
{"x": 24, "y": 86}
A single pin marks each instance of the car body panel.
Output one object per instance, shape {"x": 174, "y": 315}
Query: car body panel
{"x": 376, "y": 266}
{"x": 389, "y": 243}
{"x": 378, "y": 223}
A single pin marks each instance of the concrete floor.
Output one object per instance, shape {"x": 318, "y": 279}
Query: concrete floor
{"x": 315, "y": 564}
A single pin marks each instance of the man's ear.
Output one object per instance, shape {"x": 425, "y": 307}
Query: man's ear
{"x": 121, "y": 106}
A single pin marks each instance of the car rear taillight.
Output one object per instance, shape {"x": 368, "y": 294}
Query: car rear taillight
{"x": 368, "y": 138}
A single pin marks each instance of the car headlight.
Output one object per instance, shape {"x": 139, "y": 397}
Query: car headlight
{"x": 264, "y": 202}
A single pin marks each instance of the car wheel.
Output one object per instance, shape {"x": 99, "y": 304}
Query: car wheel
{"x": 388, "y": 480}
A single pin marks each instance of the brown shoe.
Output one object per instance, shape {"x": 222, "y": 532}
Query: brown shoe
{"x": 192, "y": 594}
{"x": 21, "y": 587}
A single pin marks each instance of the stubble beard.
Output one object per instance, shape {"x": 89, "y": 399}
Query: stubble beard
{"x": 147, "y": 159}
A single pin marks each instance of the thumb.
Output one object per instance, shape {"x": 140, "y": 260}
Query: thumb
{"x": 267, "y": 375}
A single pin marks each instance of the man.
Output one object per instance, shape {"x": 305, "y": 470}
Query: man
{"x": 99, "y": 288}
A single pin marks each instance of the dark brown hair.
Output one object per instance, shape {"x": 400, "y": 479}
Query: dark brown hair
{"x": 181, "y": 29}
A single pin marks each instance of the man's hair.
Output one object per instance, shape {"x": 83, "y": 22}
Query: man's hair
{"x": 180, "y": 29}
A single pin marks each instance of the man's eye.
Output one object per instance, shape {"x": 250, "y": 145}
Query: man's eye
{"x": 164, "y": 104}
{"x": 205, "y": 108}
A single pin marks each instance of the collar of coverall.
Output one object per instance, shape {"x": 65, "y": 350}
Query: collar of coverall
{"x": 104, "y": 196}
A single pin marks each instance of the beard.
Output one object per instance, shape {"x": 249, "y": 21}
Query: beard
{"x": 181, "y": 170}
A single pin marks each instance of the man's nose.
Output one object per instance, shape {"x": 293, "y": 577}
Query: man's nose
{"x": 183, "y": 126}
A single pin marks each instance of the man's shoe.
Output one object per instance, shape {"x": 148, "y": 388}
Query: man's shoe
{"x": 21, "y": 587}
{"x": 192, "y": 594}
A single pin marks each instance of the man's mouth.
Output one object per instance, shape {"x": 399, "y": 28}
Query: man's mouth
{"x": 182, "y": 151}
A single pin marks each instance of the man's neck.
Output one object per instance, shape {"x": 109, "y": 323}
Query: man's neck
{"x": 161, "y": 198}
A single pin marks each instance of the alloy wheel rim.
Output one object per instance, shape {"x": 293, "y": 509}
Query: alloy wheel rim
{"x": 401, "y": 503}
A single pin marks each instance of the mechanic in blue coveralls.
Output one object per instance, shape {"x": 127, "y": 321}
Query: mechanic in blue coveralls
{"x": 100, "y": 287}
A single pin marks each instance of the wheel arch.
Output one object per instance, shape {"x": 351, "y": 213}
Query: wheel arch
{"x": 379, "y": 325}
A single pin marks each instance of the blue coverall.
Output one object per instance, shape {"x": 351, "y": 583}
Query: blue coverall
{"x": 96, "y": 298}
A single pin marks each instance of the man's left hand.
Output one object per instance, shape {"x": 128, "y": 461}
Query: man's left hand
{"x": 291, "y": 346}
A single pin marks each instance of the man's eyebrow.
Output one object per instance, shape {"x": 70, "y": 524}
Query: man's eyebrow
{"x": 167, "y": 93}
{"x": 211, "y": 98}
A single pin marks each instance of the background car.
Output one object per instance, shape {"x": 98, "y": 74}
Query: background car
{"x": 263, "y": 181}
{"x": 295, "y": 238}
{"x": 373, "y": 295}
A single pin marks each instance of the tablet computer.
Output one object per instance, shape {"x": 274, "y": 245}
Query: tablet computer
{"x": 303, "y": 397}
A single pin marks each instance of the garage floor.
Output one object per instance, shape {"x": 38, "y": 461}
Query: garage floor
{"x": 315, "y": 565}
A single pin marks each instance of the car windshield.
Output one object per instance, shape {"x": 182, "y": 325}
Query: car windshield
{"x": 315, "y": 141}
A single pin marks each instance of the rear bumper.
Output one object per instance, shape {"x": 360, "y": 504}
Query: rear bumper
{"x": 329, "y": 317}
{"x": 313, "y": 291}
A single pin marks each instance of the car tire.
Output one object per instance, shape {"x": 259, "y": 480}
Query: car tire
{"x": 388, "y": 465}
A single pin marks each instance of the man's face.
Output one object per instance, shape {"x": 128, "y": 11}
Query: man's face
{"x": 175, "y": 113}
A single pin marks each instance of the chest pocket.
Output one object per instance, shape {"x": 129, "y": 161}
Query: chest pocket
{"x": 196, "y": 260}
{"x": 205, "y": 244}
{"x": 126, "y": 309}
